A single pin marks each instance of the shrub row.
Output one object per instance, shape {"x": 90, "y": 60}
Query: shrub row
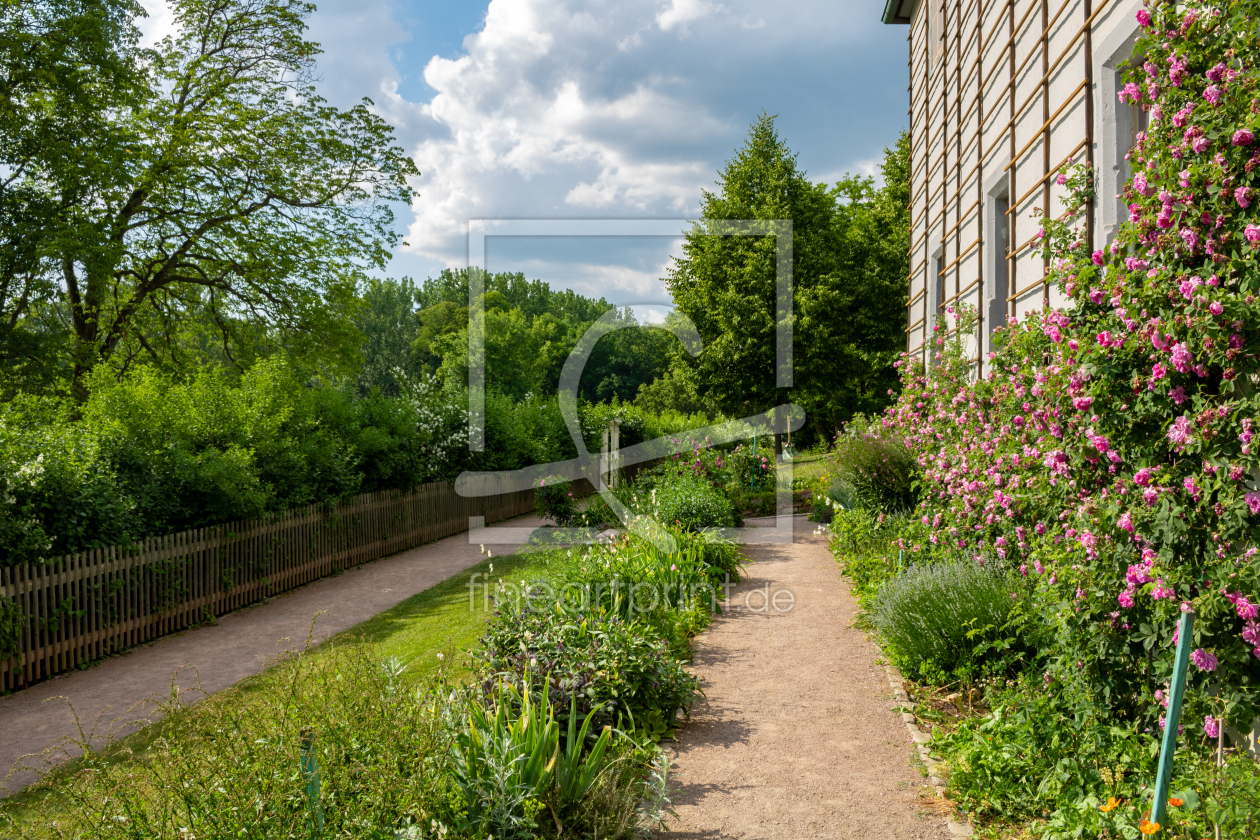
{"x": 149, "y": 454}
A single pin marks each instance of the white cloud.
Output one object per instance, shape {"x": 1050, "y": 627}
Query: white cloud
{"x": 527, "y": 128}
{"x": 159, "y": 23}
{"x": 605, "y": 108}
{"x": 682, "y": 12}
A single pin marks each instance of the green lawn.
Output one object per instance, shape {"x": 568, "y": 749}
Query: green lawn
{"x": 440, "y": 620}
{"x": 808, "y": 468}
{"x": 446, "y": 619}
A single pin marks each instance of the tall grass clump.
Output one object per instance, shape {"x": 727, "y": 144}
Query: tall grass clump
{"x": 935, "y": 618}
{"x": 230, "y": 765}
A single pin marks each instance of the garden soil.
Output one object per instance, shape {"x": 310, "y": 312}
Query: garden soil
{"x": 795, "y": 737}
{"x": 37, "y": 724}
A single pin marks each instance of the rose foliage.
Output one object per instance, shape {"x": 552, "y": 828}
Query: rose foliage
{"x": 1109, "y": 456}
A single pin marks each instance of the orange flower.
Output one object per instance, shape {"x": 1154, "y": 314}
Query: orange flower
{"x": 1175, "y": 802}
{"x": 1112, "y": 804}
{"x": 1149, "y": 827}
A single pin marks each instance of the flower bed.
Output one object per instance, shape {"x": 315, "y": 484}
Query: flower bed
{"x": 1107, "y": 464}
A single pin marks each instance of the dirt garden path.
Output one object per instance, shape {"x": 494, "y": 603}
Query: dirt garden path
{"x": 111, "y": 694}
{"x": 795, "y": 738}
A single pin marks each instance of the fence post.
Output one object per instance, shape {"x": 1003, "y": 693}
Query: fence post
{"x": 1163, "y": 776}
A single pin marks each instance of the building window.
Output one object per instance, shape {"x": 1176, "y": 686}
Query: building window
{"x": 939, "y": 263}
{"x": 1001, "y": 244}
{"x": 996, "y": 265}
{"x": 1118, "y": 125}
{"x": 1131, "y": 121}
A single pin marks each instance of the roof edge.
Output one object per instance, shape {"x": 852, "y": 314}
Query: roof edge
{"x": 898, "y": 11}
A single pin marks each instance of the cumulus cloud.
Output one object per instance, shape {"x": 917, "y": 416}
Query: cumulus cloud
{"x": 576, "y": 107}
{"x": 682, "y": 12}
{"x": 600, "y": 108}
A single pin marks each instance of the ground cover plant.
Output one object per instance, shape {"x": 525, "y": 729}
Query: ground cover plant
{"x": 1107, "y": 463}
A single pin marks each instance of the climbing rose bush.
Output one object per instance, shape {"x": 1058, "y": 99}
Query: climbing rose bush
{"x": 1109, "y": 459}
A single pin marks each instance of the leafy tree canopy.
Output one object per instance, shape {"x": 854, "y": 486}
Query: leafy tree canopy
{"x": 211, "y": 185}
{"x": 849, "y": 283}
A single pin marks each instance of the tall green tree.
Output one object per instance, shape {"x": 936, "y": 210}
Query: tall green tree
{"x": 727, "y": 284}
{"x": 224, "y": 187}
{"x": 387, "y": 320}
{"x": 65, "y": 66}
{"x": 848, "y": 273}
{"x": 852, "y": 323}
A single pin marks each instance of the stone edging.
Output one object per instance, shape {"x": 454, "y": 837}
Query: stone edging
{"x": 921, "y": 740}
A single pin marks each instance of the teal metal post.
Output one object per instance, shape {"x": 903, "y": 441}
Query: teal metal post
{"x": 752, "y": 476}
{"x": 1163, "y": 776}
{"x": 310, "y": 772}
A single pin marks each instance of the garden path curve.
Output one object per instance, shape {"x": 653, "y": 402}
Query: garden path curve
{"x": 112, "y": 693}
{"x": 795, "y": 737}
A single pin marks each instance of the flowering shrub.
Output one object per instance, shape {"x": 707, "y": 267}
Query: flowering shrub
{"x": 751, "y": 470}
{"x": 553, "y": 499}
{"x": 877, "y": 468}
{"x": 1109, "y": 457}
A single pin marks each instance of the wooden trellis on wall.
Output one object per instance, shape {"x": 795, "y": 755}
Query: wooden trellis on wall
{"x": 958, "y": 102}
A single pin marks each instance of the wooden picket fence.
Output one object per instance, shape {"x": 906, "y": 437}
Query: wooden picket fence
{"x": 87, "y": 605}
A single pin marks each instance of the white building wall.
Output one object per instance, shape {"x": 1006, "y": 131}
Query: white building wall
{"x": 1015, "y": 90}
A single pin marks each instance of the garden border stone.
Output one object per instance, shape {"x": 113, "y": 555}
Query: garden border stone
{"x": 921, "y": 744}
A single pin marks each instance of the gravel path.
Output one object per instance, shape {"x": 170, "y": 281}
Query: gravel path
{"x": 795, "y": 738}
{"x": 36, "y": 723}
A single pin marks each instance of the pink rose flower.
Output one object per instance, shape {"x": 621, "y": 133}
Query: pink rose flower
{"x": 1182, "y": 358}
{"x": 1203, "y": 660}
{"x": 1212, "y": 94}
{"x": 1243, "y": 196}
{"x": 1211, "y": 727}
{"x": 1252, "y": 233}
{"x": 1215, "y": 308}
{"x": 1179, "y": 431}
{"x": 1200, "y": 145}
{"x": 1098, "y": 257}
{"x": 1143, "y": 18}
{"x": 1243, "y": 137}
{"x": 1253, "y": 502}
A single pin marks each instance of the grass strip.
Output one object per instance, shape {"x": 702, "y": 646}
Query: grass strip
{"x": 442, "y": 619}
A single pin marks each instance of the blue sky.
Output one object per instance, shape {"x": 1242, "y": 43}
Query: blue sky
{"x": 601, "y": 109}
